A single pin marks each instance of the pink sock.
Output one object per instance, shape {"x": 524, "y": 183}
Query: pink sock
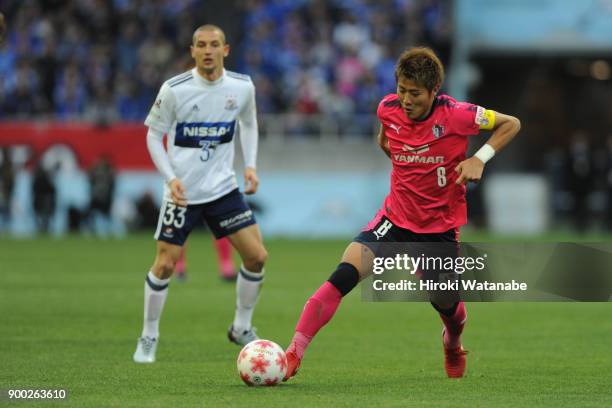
{"x": 181, "y": 264}
{"x": 454, "y": 326}
{"x": 319, "y": 309}
{"x": 224, "y": 253}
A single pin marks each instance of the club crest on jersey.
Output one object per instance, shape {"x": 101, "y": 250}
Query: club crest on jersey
{"x": 437, "y": 130}
{"x": 195, "y": 108}
{"x": 231, "y": 103}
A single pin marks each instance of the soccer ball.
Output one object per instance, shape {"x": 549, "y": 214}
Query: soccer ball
{"x": 262, "y": 362}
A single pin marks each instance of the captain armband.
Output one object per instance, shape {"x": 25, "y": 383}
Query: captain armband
{"x": 485, "y": 118}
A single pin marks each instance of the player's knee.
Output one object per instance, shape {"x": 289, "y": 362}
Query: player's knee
{"x": 345, "y": 278}
{"x": 166, "y": 269}
{"x": 164, "y": 266}
{"x": 444, "y": 306}
{"x": 256, "y": 261}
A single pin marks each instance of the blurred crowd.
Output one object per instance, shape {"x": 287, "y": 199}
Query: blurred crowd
{"x": 91, "y": 60}
{"x": 104, "y": 60}
{"x": 337, "y": 56}
{"x": 581, "y": 181}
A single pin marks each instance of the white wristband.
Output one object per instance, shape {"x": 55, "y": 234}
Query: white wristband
{"x": 485, "y": 153}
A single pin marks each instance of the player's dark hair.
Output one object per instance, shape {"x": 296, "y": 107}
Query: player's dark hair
{"x": 420, "y": 65}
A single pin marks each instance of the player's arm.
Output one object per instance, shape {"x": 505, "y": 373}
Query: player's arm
{"x": 383, "y": 141}
{"x": 160, "y": 119}
{"x": 249, "y": 140}
{"x": 155, "y": 144}
{"x": 505, "y": 128}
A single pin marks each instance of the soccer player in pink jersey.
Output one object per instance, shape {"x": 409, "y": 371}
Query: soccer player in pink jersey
{"x": 426, "y": 137}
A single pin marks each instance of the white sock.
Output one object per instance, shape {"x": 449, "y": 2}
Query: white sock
{"x": 248, "y": 285}
{"x": 155, "y": 292}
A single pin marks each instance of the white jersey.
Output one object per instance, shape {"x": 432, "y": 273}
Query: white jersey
{"x": 201, "y": 119}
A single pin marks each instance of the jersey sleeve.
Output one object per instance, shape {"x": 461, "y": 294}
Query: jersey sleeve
{"x": 379, "y": 111}
{"x": 162, "y": 113}
{"x": 469, "y": 119}
{"x": 382, "y": 110}
{"x": 248, "y": 129}
{"x": 155, "y": 144}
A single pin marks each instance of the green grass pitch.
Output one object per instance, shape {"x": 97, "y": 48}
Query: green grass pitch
{"x": 71, "y": 311}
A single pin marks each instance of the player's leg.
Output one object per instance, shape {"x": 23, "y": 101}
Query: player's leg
{"x": 453, "y": 318}
{"x": 450, "y": 308}
{"x": 231, "y": 217}
{"x": 249, "y": 244}
{"x": 225, "y": 257}
{"x": 356, "y": 264}
{"x": 173, "y": 227}
{"x": 155, "y": 294}
{"x": 156, "y": 285}
{"x": 180, "y": 269}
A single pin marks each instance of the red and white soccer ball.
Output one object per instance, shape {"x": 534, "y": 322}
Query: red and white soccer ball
{"x": 262, "y": 362}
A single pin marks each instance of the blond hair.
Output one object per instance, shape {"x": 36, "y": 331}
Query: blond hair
{"x": 208, "y": 27}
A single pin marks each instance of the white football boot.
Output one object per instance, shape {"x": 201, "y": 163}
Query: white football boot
{"x": 145, "y": 350}
{"x": 241, "y": 339}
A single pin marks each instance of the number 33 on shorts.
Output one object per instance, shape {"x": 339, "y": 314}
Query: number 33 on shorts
{"x": 174, "y": 215}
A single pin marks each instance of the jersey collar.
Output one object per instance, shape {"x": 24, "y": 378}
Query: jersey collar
{"x": 433, "y": 106}
{"x": 205, "y": 81}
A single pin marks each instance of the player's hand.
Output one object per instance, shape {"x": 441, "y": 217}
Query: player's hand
{"x": 178, "y": 192}
{"x": 251, "y": 181}
{"x": 469, "y": 170}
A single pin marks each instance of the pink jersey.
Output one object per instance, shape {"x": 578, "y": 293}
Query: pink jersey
{"x": 424, "y": 197}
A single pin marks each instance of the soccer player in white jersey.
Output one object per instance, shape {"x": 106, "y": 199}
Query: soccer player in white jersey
{"x": 202, "y": 111}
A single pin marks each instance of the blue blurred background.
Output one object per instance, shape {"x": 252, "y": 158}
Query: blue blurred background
{"x": 77, "y": 79}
